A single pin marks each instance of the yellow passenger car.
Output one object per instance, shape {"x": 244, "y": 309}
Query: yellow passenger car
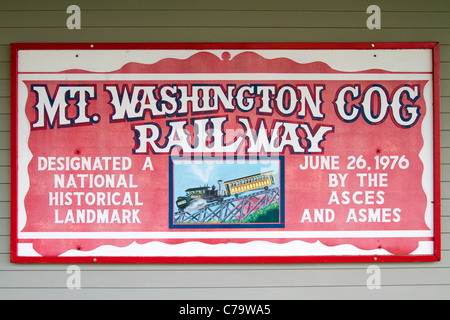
{"x": 253, "y": 182}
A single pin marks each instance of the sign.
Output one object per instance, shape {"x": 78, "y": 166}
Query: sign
{"x": 225, "y": 153}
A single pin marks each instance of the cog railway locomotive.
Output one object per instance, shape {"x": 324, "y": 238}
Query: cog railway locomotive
{"x": 226, "y": 189}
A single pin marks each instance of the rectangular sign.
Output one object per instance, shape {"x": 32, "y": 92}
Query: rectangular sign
{"x": 125, "y": 153}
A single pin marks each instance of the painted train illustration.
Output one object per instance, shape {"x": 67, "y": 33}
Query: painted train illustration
{"x": 197, "y": 198}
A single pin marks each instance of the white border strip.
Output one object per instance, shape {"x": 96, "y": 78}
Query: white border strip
{"x": 230, "y": 235}
{"x": 106, "y": 60}
{"x": 105, "y": 77}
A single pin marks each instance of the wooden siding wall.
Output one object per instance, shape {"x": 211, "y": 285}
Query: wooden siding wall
{"x": 223, "y": 21}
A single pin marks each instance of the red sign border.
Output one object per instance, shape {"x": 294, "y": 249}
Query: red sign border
{"x": 434, "y": 46}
